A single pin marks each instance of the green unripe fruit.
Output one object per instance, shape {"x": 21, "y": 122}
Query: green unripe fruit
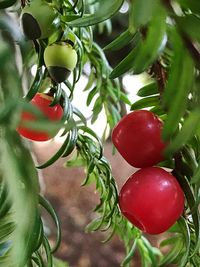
{"x": 37, "y": 20}
{"x": 60, "y": 59}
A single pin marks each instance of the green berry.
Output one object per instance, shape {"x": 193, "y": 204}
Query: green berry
{"x": 37, "y": 20}
{"x": 60, "y": 59}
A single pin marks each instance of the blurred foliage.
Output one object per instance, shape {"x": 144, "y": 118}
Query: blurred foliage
{"x": 160, "y": 38}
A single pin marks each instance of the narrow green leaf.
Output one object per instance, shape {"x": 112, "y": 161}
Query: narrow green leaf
{"x": 153, "y": 44}
{"x": 73, "y": 140}
{"x": 91, "y": 95}
{"x": 190, "y": 25}
{"x": 125, "y": 98}
{"x": 45, "y": 204}
{"x": 106, "y": 9}
{"x": 148, "y": 90}
{"x": 65, "y": 146}
{"x": 57, "y": 96}
{"x": 126, "y": 64}
{"x": 92, "y": 226}
{"x": 122, "y": 40}
{"x": 90, "y": 82}
{"x": 150, "y": 101}
{"x": 169, "y": 241}
{"x": 193, "y": 5}
{"x": 130, "y": 254}
{"x": 92, "y": 133}
{"x": 173, "y": 254}
{"x": 179, "y": 85}
{"x": 48, "y": 252}
{"x": 80, "y": 115}
{"x": 35, "y": 85}
{"x": 143, "y": 11}
{"x": 153, "y": 252}
{"x": 189, "y": 128}
{"x": 186, "y": 232}
{"x": 196, "y": 177}
{"x": 191, "y": 203}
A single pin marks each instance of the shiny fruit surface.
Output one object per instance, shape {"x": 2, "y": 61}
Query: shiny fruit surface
{"x": 152, "y": 200}
{"x": 137, "y": 137}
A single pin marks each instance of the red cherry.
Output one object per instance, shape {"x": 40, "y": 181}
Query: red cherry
{"x": 42, "y": 102}
{"x": 152, "y": 200}
{"x": 137, "y": 137}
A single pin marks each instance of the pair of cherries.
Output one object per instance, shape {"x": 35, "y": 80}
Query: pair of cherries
{"x": 151, "y": 199}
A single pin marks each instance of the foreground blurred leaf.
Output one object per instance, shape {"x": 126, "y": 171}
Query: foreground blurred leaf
{"x": 193, "y": 5}
{"x": 189, "y": 128}
{"x": 190, "y": 25}
{"x": 143, "y": 11}
{"x": 179, "y": 84}
{"x": 106, "y": 9}
{"x": 23, "y": 187}
{"x": 153, "y": 43}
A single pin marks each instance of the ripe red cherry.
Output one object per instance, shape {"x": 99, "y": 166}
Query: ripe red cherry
{"x": 152, "y": 200}
{"x": 42, "y": 102}
{"x": 137, "y": 137}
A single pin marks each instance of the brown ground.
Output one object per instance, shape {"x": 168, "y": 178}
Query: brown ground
{"x": 74, "y": 205}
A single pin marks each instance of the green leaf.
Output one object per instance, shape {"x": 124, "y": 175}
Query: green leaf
{"x": 45, "y": 204}
{"x": 48, "y": 253}
{"x": 143, "y": 11}
{"x": 106, "y": 9}
{"x": 126, "y": 64}
{"x": 193, "y": 5}
{"x": 179, "y": 85}
{"x": 196, "y": 177}
{"x": 80, "y": 115}
{"x": 186, "y": 232}
{"x": 93, "y": 134}
{"x": 91, "y": 95}
{"x": 150, "y": 101}
{"x": 190, "y": 25}
{"x": 35, "y": 85}
{"x": 23, "y": 186}
{"x": 149, "y": 89}
{"x": 130, "y": 254}
{"x": 125, "y": 98}
{"x": 153, "y": 44}
{"x": 173, "y": 254}
{"x": 191, "y": 203}
{"x": 92, "y": 226}
{"x": 189, "y": 128}
{"x": 153, "y": 252}
{"x": 122, "y": 40}
{"x": 72, "y": 144}
{"x": 66, "y": 147}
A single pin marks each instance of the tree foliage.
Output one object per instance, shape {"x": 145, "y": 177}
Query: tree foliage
{"x": 164, "y": 41}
